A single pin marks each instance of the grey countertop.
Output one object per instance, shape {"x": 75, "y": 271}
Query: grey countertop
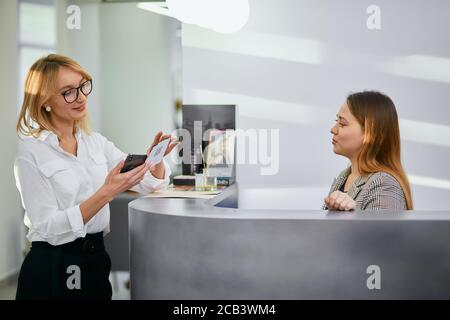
{"x": 213, "y": 209}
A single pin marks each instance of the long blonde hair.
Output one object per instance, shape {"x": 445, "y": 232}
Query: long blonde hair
{"x": 40, "y": 85}
{"x": 380, "y": 151}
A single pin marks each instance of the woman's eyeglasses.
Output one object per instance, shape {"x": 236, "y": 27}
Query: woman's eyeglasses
{"x": 71, "y": 95}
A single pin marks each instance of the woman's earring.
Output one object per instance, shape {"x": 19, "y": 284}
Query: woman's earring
{"x": 48, "y": 108}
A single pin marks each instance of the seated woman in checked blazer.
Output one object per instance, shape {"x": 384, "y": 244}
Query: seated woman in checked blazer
{"x": 367, "y": 133}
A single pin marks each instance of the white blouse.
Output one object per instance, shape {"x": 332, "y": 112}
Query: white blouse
{"x": 53, "y": 183}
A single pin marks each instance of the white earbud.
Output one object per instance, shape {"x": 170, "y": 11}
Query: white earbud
{"x": 48, "y": 108}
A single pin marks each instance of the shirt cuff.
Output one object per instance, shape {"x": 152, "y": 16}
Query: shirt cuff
{"x": 76, "y": 220}
{"x": 151, "y": 183}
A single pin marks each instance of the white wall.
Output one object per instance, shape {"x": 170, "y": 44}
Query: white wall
{"x": 294, "y": 63}
{"x": 137, "y": 95}
{"x": 83, "y": 45}
{"x": 11, "y": 215}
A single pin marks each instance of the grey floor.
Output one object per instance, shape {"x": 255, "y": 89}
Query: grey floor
{"x": 8, "y": 291}
{"x": 118, "y": 281}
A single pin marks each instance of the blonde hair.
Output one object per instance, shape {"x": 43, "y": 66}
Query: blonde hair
{"x": 40, "y": 86}
{"x": 376, "y": 114}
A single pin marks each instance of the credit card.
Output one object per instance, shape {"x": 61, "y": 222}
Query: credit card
{"x": 157, "y": 153}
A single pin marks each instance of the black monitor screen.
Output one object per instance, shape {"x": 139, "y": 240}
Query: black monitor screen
{"x": 197, "y": 119}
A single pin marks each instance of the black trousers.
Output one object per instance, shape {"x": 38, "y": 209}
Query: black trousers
{"x": 75, "y": 270}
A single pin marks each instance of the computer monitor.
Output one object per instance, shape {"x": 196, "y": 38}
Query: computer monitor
{"x": 217, "y": 121}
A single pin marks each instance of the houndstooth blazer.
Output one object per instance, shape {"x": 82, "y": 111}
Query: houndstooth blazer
{"x": 377, "y": 191}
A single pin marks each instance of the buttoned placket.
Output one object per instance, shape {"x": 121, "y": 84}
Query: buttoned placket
{"x": 82, "y": 156}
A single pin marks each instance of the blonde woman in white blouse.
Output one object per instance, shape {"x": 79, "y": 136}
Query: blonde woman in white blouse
{"x": 67, "y": 175}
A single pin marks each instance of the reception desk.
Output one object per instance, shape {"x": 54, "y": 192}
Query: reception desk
{"x": 220, "y": 249}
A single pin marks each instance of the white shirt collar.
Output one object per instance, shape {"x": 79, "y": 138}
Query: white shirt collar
{"x": 43, "y": 135}
{"x": 52, "y": 139}
{"x": 78, "y": 134}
